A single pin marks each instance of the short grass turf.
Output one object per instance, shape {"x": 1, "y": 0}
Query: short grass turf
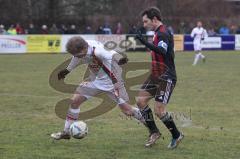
{"x": 205, "y": 103}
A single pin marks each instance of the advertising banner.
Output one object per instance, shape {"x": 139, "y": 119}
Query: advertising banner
{"x": 223, "y": 42}
{"x": 178, "y": 42}
{"x": 212, "y": 43}
{"x": 13, "y": 44}
{"x": 44, "y": 44}
{"x": 111, "y": 42}
{"x": 237, "y": 42}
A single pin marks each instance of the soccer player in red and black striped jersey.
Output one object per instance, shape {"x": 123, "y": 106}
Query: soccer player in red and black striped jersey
{"x": 161, "y": 82}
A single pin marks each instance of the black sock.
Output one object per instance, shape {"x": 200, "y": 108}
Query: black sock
{"x": 149, "y": 120}
{"x": 169, "y": 123}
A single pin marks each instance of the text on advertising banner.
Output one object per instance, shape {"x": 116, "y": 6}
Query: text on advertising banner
{"x": 44, "y": 44}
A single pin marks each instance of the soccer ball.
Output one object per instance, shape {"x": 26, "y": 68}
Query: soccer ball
{"x": 79, "y": 130}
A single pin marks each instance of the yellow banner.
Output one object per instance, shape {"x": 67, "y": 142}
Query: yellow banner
{"x": 178, "y": 42}
{"x": 44, "y": 43}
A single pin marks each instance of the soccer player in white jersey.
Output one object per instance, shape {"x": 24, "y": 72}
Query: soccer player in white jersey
{"x": 105, "y": 77}
{"x": 198, "y": 34}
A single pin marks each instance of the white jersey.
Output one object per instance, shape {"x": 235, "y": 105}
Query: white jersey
{"x": 103, "y": 68}
{"x": 198, "y": 34}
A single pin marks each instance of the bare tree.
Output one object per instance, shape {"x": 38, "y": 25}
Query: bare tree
{"x": 126, "y": 11}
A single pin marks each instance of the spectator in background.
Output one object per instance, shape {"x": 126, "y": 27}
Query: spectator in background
{"x": 12, "y": 30}
{"x": 54, "y": 29}
{"x": 119, "y": 29}
{"x": 100, "y": 30}
{"x": 133, "y": 30}
{"x": 182, "y": 28}
{"x": 233, "y": 29}
{"x": 44, "y": 29}
{"x": 72, "y": 30}
{"x": 63, "y": 29}
{"x": 189, "y": 28}
{"x": 170, "y": 28}
{"x": 2, "y": 30}
{"x": 107, "y": 29}
{"x": 224, "y": 30}
{"x": 238, "y": 30}
{"x": 20, "y": 29}
{"x": 211, "y": 32}
{"x": 88, "y": 30}
{"x": 32, "y": 29}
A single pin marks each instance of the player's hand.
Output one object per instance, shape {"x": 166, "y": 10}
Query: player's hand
{"x": 139, "y": 36}
{"x": 62, "y": 74}
{"x": 123, "y": 61}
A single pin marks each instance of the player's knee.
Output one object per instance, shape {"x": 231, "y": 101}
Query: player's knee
{"x": 141, "y": 103}
{"x": 75, "y": 102}
{"x": 160, "y": 114}
{"x": 160, "y": 110}
{"x": 166, "y": 117}
{"x": 127, "y": 112}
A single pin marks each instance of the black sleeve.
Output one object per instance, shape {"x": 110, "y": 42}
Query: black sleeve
{"x": 153, "y": 47}
{"x": 162, "y": 44}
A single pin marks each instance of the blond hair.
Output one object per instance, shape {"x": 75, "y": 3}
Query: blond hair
{"x": 76, "y": 45}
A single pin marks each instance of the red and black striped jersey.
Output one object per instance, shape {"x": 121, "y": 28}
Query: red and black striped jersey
{"x": 163, "y": 66}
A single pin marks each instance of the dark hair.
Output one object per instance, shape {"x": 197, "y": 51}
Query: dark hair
{"x": 152, "y": 12}
{"x": 76, "y": 45}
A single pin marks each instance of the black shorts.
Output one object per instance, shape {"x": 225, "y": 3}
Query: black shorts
{"x": 160, "y": 89}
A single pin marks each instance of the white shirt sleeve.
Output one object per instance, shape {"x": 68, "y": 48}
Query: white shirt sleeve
{"x": 73, "y": 64}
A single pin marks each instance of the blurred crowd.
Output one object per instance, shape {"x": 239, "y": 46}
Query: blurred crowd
{"x": 55, "y": 29}
{"x": 224, "y": 29}
{"x": 183, "y": 28}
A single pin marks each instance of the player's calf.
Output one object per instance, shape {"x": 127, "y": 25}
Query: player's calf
{"x": 149, "y": 120}
{"x": 71, "y": 116}
{"x": 150, "y": 124}
{"x": 170, "y": 124}
{"x": 177, "y": 136}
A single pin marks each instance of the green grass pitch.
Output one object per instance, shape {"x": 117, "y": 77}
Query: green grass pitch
{"x": 208, "y": 93}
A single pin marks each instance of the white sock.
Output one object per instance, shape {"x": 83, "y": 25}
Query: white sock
{"x": 72, "y": 116}
{"x": 201, "y": 55}
{"x": 197, "y": 56}
{"x": 137, "y": 115}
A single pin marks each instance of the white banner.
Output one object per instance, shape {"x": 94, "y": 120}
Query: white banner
{"x": 237, "y": 42}
{"x": 113, "y": 42}
{"x": 13, "y": 44}
{"x": 212, "y": 43}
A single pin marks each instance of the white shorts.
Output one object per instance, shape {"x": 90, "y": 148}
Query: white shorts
{"x": 88, "y": 90}
{"x": 197, "y": 46}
